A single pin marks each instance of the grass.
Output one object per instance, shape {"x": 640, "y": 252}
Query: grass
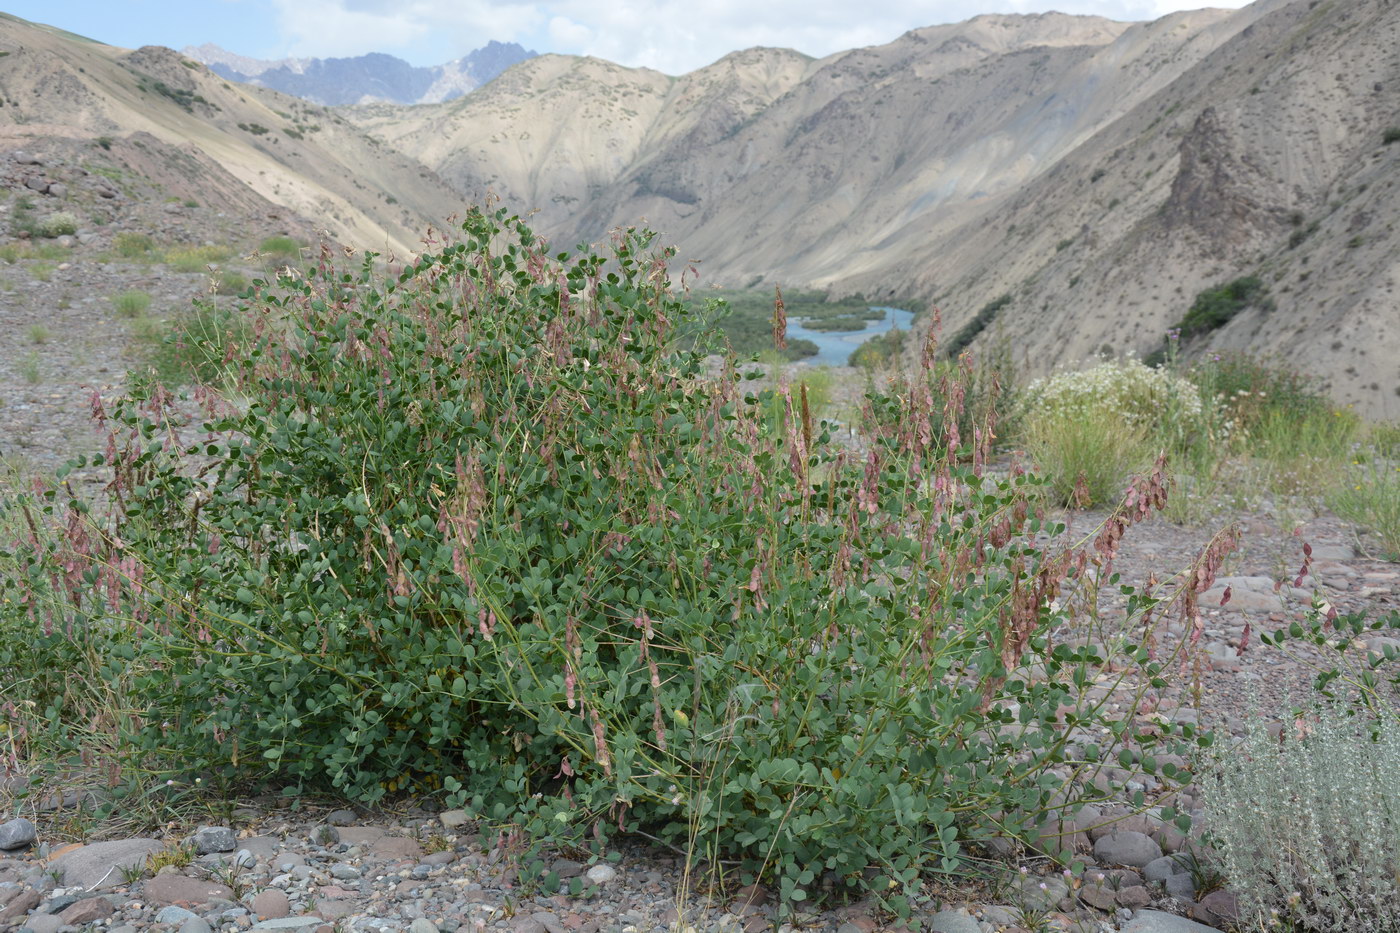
{"x": 1088, "y": 456}
{"x": 196, "y": 345}
{"x": 280, "y": 247}
{"x": 196, "y": 258}
{"x": 1368, "y": 496}
{"x": 29, "y": 369}
{"x": 228, "y": 282}
{"x": 147, "y": 328}
{"x": 136, "y": 246}
{"x": 37, "y": 333}
{"x": 131, "y": 304}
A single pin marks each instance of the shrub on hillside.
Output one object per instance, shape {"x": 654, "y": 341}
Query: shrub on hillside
{"x": 56, "y": 225}
{"x": 1127, "y": 389}
{"x": 483, "y": 529}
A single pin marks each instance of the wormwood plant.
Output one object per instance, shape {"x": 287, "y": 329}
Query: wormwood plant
{"x": 483, "y": 527}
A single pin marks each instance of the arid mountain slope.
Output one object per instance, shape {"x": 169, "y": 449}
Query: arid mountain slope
{"x": 178, "y": 125}
{"x": 1267, "y": 158}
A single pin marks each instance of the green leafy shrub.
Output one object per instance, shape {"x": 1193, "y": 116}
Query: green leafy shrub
{"x": 1304, "y": 824}
{"x": 1251, "y": 388}
{"x": 1216, "y": 307}
{"x": 880, "y": 351}
{"x": 1127, "y": 389}
{"x": 200, "y": 347}
{"x": 485, "y": 529}
{"x": 131, "y": 304}
{"x": 1391, "y": 135}
{"x": 59, "y": 224}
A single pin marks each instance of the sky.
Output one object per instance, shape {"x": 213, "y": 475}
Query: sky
{"x": 672, "y": 36}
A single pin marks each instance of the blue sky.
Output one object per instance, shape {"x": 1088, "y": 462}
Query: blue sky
{"x": 670, "y": 35}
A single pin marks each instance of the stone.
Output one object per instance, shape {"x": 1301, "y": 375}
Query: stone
{"x": 422, "y": 925}
{"x": 289, "y": 923}
{"x": 333, "y": 908}
{"x": 1156, "y": 921}
{"x": 567, "y": 868}
{"x": 550, "y": 921}
{"x": 17, "y": 833}
{"x": 1127, "y": 848}
{"x": 1181, "y": 886}
{"x": 210, "y": 839}
{"x": 526, "y": 924}
{"x": 174, "y": 914}
{"x": 1159, "y": 870}
{"x": 1218, "y": 908}
{"x": 1134, "y": 897}
{"x": 58, "y": 189}
{"x": 324, "y": 835}
{"x": 601, "y": 874}
{"x": 341, "y": 817}
{"x": 36, "y": 183}
{"x": 58, "y": 905}
{"x": 953, "y": 921}
{"x": 23, "y": 158}
{"x": 196, "y": 925}
{"x": 20, "y": 905}
{"x": 86, "y": 911}
{"x": 343, "y": 872}
{"x": 99, "y": 866}
{"x": 183, "y": 890}
{"x": 105, "y": 192}
{"x": 270, "y": 904}
{"x": 42, "y": 923}
{"x": 451, "y": 819}
{"x": 1098, "y": 894}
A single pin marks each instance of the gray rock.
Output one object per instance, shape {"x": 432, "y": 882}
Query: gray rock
{"x": 1159, "y": 870}
{"x": 209, "y": 839}
{"x": 173, "y": 914}
{"x": 1127, "y": 848}
{"x": 422, "y": 925}
{"x": 24, "y": 158}
{"x": 341, "y": 817}
{"x": 1155, "y": 921}
{"x": 524, "y": 924}
{"x": 1181, "y": 886}
{"x": 196, "y": 925}
{"x": 954, "y": 922}
{"x": 17, "y": 833}
{"x": 57, "y": 905}
{"x": 453, "y": 818}
{"x": 99, "y": 865}
{"x": 1134, "y": 897}
{"x": 601, "y": 874}
{"x": 324, "y": 835}
{"x": 58, "y": 189}
{"x": 35, "y": 183}
{"x": 43, "y": 923}
{"x": 288, "y": 923}
{"x": 343, "y": 872}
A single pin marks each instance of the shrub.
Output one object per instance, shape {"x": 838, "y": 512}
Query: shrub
{"x": 1391, "y": 135}
{"x": 1305, "y": 825}
{"x": 229, "y": 282}
{"x": 56, "y": 225}
{"x": 131, "y": 304}
{"x": 1216, "y": 307}
{"x": 484, "y": 529}
{"x": 1251, "y": 388}
{"x": 200, "y": 347}
{"x": 980, "y": 322}
{"x": 1127, "y": 389}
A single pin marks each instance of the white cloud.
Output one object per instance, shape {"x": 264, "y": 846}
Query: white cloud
{"x": 673, "y": 36}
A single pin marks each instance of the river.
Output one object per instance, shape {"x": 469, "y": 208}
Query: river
{"x": 834, "y": 346}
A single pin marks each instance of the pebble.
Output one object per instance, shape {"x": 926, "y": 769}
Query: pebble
{"x": 17, "y": 833}
{"x": 601, "y": 874}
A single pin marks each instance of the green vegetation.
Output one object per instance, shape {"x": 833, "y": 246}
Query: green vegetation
{"x": 280, "y": 247}
{"x": 746, "y": 318}
{"x": 38, "y": 333}
{"x": 1216, "y": 307}
{"x": 29, "y": 369}
{"x": 56, "y": 225}
{"x": 199, "y": 346}
{"x": 880, "y": 351}
{"x": 129, "y": 245}
{"x": 229, "y": 282}
{"x": 980, "y": 322}
{"x": 1391, "y": 135}
{"x": 496, "y": 536}
{"x": 1368, "y": 495}
{"x": 131, "y": 304}
{"x": 196, "y": 258}
{"x": 257, "y": 129}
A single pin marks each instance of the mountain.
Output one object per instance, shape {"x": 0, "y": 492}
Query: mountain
{"x": 184, "y": 133}
{"x": 1100, "y": 174}
{"x": 364, "y": 78}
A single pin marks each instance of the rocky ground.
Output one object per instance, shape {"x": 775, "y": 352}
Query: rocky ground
{"x": 270, "y": 865}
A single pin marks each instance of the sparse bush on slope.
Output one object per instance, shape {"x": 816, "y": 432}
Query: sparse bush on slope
{"x": 484, "y": 529}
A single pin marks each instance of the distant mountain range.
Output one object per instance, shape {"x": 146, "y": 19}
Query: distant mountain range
{"x": 372, "y": 78}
